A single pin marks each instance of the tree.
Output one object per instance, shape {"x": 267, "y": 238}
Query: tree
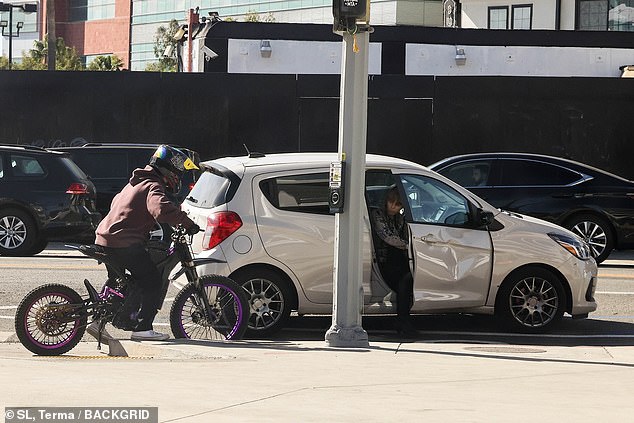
{"x": 253, "y": 16}
{"x": 105, "y": 63}
{"x": 164, "y": 42}
{"x": 4, "y": 63}
{"x": 66, "y": 58}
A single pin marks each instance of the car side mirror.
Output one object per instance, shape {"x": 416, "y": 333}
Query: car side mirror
{"x": 483, "y": 218}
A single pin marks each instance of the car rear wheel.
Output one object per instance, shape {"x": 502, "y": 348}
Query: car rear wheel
{"x": 269, "y": 301}
{"x": 596, "y": 231}
{"x": 531, "y": 300}
{"x": 18, "y": 233}
{"x": 39, "y": 247}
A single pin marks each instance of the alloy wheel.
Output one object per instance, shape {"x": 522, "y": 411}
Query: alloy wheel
{"x": 266, "y": 303}
{"x": 12, "y": 232}
{"x": 593, "y": 234}
{"x": 534, "y": 302}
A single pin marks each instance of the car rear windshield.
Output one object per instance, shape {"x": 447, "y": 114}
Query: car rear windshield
{"x": 211, "y": 190}
{"x": 75, "y": 170}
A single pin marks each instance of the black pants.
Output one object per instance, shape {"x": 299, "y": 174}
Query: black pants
{"x": 138, "y": 262}
{"x": 396, "y": 274}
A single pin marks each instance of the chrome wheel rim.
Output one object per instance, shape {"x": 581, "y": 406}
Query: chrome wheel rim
{"x": 266, "y": 303}
{"x": 534, "y": 302}
{"x": 12, "y": 232}
{"x": 594, "y": 235}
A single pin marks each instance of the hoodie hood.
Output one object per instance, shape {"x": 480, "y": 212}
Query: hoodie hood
{"x": 147, "y": 173}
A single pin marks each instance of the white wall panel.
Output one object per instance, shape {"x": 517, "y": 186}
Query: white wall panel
{"x": 433, "y": 59}
{"x": 294, "y": 57}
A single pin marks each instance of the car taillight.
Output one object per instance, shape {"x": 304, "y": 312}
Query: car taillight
{"x": 220, "y": 226}
{"x": 191, "y": 185}
{"x": 77, "y": 188}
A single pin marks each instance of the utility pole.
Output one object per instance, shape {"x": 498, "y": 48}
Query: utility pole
{"x": 347, "y": 180}
{"x": 50, "y": 35}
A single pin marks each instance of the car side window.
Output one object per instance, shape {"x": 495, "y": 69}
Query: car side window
{"x": 434, "y": 202}
{"x": 515, "y": 172}
{"x": 103, "y": 164}
{"x": 473, "y": 173}
{"x": 305, "y": 193}
{"x": 25, "y": 166}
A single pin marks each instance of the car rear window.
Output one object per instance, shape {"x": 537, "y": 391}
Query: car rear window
{"x": 211, "y": 190}
{"x": 26, "y": 166}
{"x": 533, "y": 173}
{"x": 74, "y": 169}
{"x": 307, "y": 193}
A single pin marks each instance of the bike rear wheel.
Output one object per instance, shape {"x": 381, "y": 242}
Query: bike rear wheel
{"x": 228, "y": 314}
{"x": 47, "y": 321}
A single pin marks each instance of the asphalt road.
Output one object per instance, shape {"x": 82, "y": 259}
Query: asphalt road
{"x": 611, "y": 324}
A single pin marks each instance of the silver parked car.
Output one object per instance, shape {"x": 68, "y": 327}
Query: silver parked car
{"x": 267, "y": 217}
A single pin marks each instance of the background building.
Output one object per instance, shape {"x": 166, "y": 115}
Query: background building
{"x": 127, "y": 28}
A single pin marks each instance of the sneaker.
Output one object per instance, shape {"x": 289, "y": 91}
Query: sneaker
{"x": 93, "y": 330}
{"x": 149, "y": 335}
{"x": 406, "y": 329}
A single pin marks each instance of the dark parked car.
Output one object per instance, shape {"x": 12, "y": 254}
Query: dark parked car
{"x": 44, "y": 195}
{"x": 595, "y": 204}
{"x": 109, "y": 167}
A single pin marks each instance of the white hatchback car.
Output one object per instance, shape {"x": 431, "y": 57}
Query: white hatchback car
{"x": 267, "y": 218}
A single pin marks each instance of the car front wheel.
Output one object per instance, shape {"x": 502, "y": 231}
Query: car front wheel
{"x": 596, "y": 232}
{"x": 531, "y": 300}
{"x": 18, "y": 234}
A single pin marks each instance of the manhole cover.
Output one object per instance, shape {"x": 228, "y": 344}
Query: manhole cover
{"x": 509, "y": 350}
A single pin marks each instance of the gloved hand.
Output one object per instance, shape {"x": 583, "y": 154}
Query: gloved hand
{"x": 193, "y": 229}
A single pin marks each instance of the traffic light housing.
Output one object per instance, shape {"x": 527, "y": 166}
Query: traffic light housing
{"x": 348, "y": 12}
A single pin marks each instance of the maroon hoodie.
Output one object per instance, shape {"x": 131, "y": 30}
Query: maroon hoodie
{"x": 136, "y": 209}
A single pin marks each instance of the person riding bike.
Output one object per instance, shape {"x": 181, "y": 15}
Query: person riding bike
{"x": 125, "y": 230}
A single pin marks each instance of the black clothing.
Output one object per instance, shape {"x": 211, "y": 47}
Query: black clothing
{"x": 146, "y": 276}
{"x": 390, "y": 247}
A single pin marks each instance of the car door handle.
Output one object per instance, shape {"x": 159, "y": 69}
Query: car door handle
{"x": 429, "y": 239}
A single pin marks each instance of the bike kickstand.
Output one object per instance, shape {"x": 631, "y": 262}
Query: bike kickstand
{"x": 102, "y": 325}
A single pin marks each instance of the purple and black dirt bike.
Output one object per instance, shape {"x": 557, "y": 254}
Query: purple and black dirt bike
{"x": 52, "y": 318}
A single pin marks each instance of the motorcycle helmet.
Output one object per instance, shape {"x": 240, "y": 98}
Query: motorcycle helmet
{"x": 171, "y": 163}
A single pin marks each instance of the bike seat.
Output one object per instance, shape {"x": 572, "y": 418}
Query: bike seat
{"x": 95, "y": 251}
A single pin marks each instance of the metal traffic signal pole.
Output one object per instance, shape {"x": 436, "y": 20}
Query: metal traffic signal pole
{"x": 346, "y": 329}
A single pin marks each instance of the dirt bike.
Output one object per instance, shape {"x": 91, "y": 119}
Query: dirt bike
{"x": 52, "y": 318}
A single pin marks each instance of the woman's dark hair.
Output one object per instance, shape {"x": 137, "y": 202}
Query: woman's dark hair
{"x": 392, "y": 195}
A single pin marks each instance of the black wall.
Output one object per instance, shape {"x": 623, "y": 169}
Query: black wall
{"x": 419, "y": 118}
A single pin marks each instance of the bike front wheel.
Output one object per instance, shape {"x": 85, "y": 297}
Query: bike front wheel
{"x": 49, "y": 320}
{"x": 226, "y": 318}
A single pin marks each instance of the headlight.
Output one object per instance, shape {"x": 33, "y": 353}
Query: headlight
{"x": 574, "y": 246}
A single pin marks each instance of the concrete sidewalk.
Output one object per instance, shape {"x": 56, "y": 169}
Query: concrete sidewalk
{"x": 306, "y": 381}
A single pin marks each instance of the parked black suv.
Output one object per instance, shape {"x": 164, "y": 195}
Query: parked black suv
{"x": 109, "y": 167}
{"x": 43, "y": 196}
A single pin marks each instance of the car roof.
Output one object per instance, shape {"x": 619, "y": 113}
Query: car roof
{"x": 581, "y": 167}
{"x": 29, "y": 149}
{"x": 285, "y": 161}
{"x": 116, "y": 146}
